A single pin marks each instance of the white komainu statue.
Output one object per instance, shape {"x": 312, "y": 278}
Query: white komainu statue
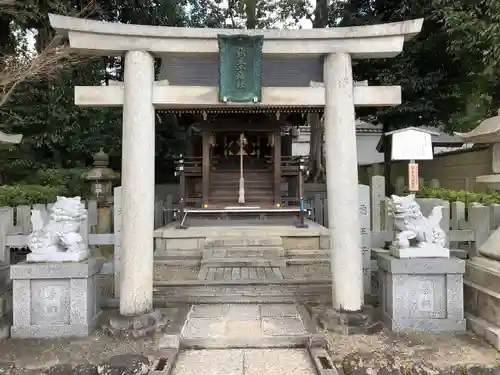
{"x": 59, "y": 239}
{"x": 414, "y": 229}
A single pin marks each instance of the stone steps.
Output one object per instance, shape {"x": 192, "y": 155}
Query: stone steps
{"x": 243, "y": 262}
{"x": 246, "y": 251}
{"x": 243, "y": 240}
{"x": 249, "y": 291}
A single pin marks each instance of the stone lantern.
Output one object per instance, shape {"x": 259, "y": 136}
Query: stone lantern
{"x": 101, "y": 179}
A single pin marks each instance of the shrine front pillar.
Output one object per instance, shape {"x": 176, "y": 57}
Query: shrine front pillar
{"x": 342, "y": 184}
{"x": 138, "y": 185}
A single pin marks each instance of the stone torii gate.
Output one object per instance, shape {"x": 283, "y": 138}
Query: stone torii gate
{"x": 140, "y": 95}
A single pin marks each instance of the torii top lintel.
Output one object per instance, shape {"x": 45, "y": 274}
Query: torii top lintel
{"x": 112, "y": 39}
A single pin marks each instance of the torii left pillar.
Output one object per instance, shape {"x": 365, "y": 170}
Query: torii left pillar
{"x": 138, "y": 189}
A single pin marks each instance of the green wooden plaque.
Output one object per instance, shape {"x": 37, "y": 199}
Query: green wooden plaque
{"x": 240, "y": 58}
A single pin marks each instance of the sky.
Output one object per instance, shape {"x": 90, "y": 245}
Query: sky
{"x": 304, "y": 23}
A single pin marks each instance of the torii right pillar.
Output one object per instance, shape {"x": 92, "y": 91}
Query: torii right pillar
{"x": 342, "y": 192}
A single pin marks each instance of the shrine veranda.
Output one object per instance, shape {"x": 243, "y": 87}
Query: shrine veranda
{"x": 245, "y": 90}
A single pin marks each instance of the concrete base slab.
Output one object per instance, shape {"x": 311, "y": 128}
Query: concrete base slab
{"x": 247, "y": 361}
{"x": 211, "y": 228}
{"x": 246, "y": 325}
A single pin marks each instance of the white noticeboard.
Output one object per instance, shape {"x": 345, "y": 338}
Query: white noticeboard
{"x": 411, "y": 145}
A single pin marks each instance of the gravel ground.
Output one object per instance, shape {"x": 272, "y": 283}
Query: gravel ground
{"x": 371, "y": 353}
{"x": 31, "y": 356}
{"x": 441, "y": 351}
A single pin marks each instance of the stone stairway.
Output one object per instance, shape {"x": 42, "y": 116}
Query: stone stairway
{"x": 246, "y": 251}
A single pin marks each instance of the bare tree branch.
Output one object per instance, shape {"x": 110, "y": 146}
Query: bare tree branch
{"x": 16, "y": 68}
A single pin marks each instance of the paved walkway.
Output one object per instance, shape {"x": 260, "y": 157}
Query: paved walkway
{"x": 244, "y": 362}
{"x": 243, "y": 323}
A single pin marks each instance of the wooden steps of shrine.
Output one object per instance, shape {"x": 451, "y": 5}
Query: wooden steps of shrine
{"x": 235, "y": 176}
{"x": 251, "y": 193}
{"x": 234, "y": 290}
{"x": 241, "y": 285}
{"x": 240, "y": 273}
{"x": 221, "y": 182}
{"x": 258, "y": 185}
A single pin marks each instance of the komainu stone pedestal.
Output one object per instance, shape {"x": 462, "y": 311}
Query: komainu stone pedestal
{"x": 53, "y": 300}
{"x": 421, "y": 294}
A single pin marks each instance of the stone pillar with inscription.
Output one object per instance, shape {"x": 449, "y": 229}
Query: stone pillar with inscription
{"x": 365, "y": 235}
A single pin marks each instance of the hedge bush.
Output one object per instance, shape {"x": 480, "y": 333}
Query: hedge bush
{"x": 44, "y": 186}
{"x": 490, "y": 197}
{"x": 70, "y": 179}
{"x": 14, "y": 195}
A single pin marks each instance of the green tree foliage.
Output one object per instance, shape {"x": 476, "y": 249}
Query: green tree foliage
{"x": 57, "y": 134}
{"x": 448, "y": 73}
{"x": 473, "y": 33}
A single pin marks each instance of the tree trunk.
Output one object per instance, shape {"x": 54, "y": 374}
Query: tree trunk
{"x": 317, "y": 160}
{"x": 387, "y": 160}
{"x": 316, "y": 151}
{"x": 251, "y": 13}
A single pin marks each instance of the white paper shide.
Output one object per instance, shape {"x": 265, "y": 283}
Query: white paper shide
{"x": 417, "y": 236}
{"x": 58, "y": 239}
